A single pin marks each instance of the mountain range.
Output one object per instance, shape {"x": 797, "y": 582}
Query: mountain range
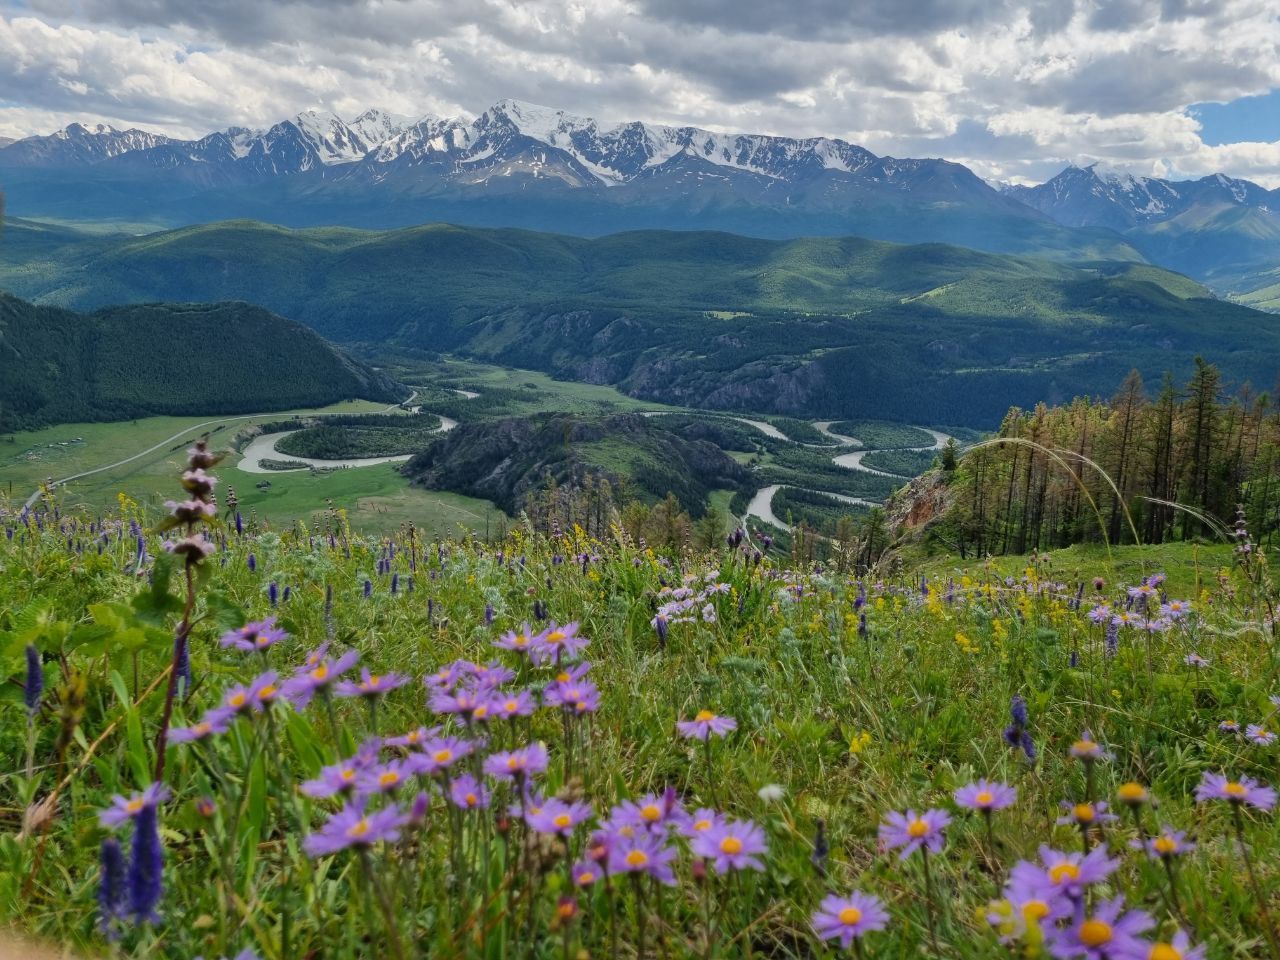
{"x": 518, "y": 164}
{"x": 821, "y": 327}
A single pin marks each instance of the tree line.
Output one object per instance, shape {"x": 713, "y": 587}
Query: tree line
{"x": 1140, "y": 466}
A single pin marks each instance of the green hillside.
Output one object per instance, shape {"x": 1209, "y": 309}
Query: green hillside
{"x": 125, "y": 362}
{"x": 831, "y": 327}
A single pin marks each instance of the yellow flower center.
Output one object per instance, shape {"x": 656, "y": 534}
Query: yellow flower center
{"x": 1094, "y": 933}
{"x": 235, "y": 700}
{"x": 262, "y": 640}
{"x": 585, "y": 877}
{"x": 372, "y": 681}
{"x": 704, "y": 715}
{"x": 203, "y": 727}
{"x": 389, "y": 778}
{"x": 563, "y": 677}
{"x": 650, "y": 812}
{"x": 1164, "y": 951}
{"x": 637, "y": 858}
{"x": 984, "y": 798}
{"x": 348, "y": 774}
{"x": 1083, "y": 812}
{"x": 580, "y": 706}
{"x": 511, "y": 706}
{"x": 512, "y": 763}
{"x": 359, "y": 828}
{"x": 1132, "y": 792}
{"x": 471, "y": 799}
{"x": 563, "y": 820}
{"x": 731, "y": 845}
{"x": 267, "y": 692}
{"x": 555, "y": 636}
{"x": 520, "y": 640}
{"x": 1165, "y": 845}
{"x": 1063, "y": 872}
{"x": 480, "y": 712}
{"x": 849, "y": 916}
{"x": 442, "y": 756}
{"x": 321, "y": 672}
{"x": 1085, "y": 746}
{"x": 701, "y": 825}
{"x": 133, "y": 806}
{"x": 1233, "y": 789}
{"x": 1033, "y": 911}
{"x": 414, "y": 737}
{"x": 917, "y": 829}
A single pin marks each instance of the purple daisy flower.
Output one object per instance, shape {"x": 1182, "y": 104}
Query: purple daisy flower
{"x": 911, "y": 832}
{"x": 848, "y": 918}
{"x": 651, "y": 812}
{"x": 732, "y": 845}
{"x": 1085, "y": 814}
{"x": 211, "y": 724}
{"x": 123, "y": 809}
{"x": 520, "y": 641}
{"x": 699, "y": 822}
{"x": 489, "y": 676}
{"x": 1179, "y": 948}
{"x": 586, "y": 872}
{"x": 1246, "y": 790}
{"x": 557, "y": 817}
{"x": 1165, "y": 845}
{"x": 642, "y": 852}
{"x": 1088, "y": 749}
{"x": 414, "y": 739}
{"x": 1062, "y": 873}
{"x": 1109, "y": 933}
{"x": 705, "y": 724}
{"x": 440, "y": 753}
{"x": 353, "y": 827}
{"x": 511, "y": 705}
{"x": 986, "y": 796}
{"x": 1259, "y": 735}
{"x": 1229, "y": 727}
{"x": 1024, "y": 910}
{"x": 557, "y": 644}
{"x": 335, "y": 779}
{"x": 256, "y": 636}
{"x": 524, "y": 762}
{"x": 574, "y": 696}
{"x": 468, "y": 793}
{"x": 317, "y": 678}
{"x": 388, "y": 777}
{"x": 370, "y": 684}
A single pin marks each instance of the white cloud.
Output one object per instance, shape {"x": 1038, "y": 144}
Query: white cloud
{"x": 1015, "y": 88}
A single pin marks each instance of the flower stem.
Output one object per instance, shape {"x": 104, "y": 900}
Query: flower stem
{"x": 1253, "y": 882}
{"x": 928, "y": 892}
{"x": 388, "y": 912}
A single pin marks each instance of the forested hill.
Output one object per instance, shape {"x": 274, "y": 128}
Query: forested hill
{"x": 1048, "y": 480}
{"x": 821, "y": 327}
{"x": 123, "y": 362}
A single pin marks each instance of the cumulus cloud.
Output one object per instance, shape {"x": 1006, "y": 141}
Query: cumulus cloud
{"x": 1015, "y": 88}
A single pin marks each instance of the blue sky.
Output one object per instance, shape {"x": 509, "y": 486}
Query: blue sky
{"x": 1242, "y": 120}
{"x": 1015, "y": 89}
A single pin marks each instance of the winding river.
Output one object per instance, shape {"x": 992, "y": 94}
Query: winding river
{"x": 264, "y": 448}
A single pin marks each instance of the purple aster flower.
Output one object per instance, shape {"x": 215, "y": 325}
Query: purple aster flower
{"x": 642, "y": 853}
{"x": 352, "y": 826}
{"x": 144, "y": 878}
{"x": 521, "y": 641}
{"x": 490, "y": 676}
{"x": 911, "y": 832}
{"x": 335, "y": 779}
{"x": 370, "y": 684}
{"x": 1085, "y": 814}
{"x": 1229, "y": 727}
{"x": 468, "y": 793}
{"x": 387, "y": 777}
{"x": 1165, "y": 845}
{"x": 1246, "y": 790}
{"x": 524, "y": 762}
{"x": 1100, "y": 613}
{"x": 574, "y": 696}
{"x": 586, "y": 872}
{"x": 212, "y": 723}
{"x": 1060, "y": 873}
{"x": 651, "y": 812}
{"x": 317, "y": 678}
{"x": 705, "y": 724}
{"x": 986, "y": 796}
{"x": 732, "y": 845}
{"x": 1259, "y": 735}
{"x": 1088, "y": 749}
{"x": 557, "y": 817}
{"x": 414, "y": 739}
{"x": 1022, "y": 910}
{"x": 1175, "y": 609}
{"x": 1195, "y": 660}
{"x": 699, "y": 822}
{"x": 557, "y": 644}
{"x": 131, "y": 808}
{"x": 511, "y": 705}
{"x": 1179, "y": 948}
{"x": 441, "y": 753}
{"x": 1109, "y": 933}
{"x": 848, "y": 918}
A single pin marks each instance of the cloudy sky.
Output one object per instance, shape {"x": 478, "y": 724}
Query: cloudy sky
{"x": 1014, "y": 88}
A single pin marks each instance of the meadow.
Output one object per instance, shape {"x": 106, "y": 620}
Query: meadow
{"x": 228, "y": 741}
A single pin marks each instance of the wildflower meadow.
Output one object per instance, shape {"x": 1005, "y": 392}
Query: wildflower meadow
{"x": 227, "y": 741}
